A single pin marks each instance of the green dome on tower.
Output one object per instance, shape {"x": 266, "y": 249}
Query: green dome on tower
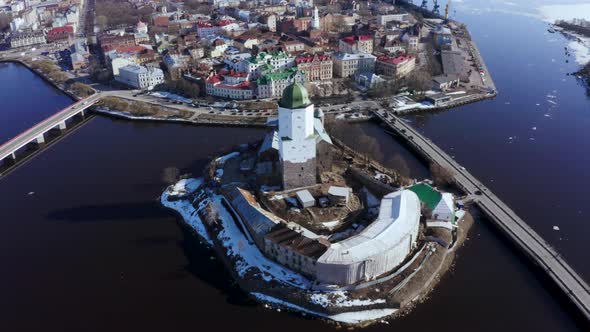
{"x": 295, "y": 96}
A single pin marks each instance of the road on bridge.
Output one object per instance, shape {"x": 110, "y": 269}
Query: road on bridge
{"x": 537, "y": 249}
{"x": 44, "y": 126}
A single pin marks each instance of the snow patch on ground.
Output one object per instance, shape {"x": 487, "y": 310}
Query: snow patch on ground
{"x": 581, "y": 50}
{"x": 348, "y": 317}
{"x": 460, "y": 214}
{"x": 221, "y": 160}
{"x": 126, "y": 115}
{"x": 248, "y": 257}
{"x": 185, "y": 207}
{"x": 184, "y": 187}
{"x": 552, "y": 13}
{"x": 340, "y": 299}
{"x": 331, "y": 224}
{"x": 168, "y": 95}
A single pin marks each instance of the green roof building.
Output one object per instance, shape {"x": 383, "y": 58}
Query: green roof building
{"x": 441, "y": 204}
{"x": 272, "y": 85}
{"x": 427, "y": 194}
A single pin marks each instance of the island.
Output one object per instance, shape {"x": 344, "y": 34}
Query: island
{"x": 307, "y": 225}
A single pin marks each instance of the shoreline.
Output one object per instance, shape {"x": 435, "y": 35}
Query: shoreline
{"x": 44, "y": 77}
{"x": 583, "y": 74}
{"x": 129, "y": 116}
{"x": 190, "y": 199}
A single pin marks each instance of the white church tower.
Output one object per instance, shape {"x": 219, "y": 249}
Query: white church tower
{"x": 297, "y": 145}
{"x": 315, "y": 22}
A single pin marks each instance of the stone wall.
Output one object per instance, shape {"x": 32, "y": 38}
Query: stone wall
{"x": 297, "y": 175}
{"x": 375, "y": 186}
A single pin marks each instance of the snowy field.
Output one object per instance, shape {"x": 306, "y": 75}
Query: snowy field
{"x": 552, "y": 13}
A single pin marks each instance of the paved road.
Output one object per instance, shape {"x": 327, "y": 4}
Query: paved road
{"x": 44, "y": 126}
{"x": 539, "y": 251}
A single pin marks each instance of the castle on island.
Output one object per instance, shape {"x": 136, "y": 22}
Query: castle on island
{"x": 322, "y": 219}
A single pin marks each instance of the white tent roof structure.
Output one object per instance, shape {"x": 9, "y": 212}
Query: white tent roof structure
{"x": 399, "y": 213}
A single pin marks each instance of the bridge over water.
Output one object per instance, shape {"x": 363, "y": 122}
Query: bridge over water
{"x": 37, "y": 133}
{"x": 516, "y": 229}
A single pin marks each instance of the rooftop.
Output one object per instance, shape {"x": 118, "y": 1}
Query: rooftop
{"x": 351, "y": 40}
{"x": 427, "y": 194}
{"x": 395, "y": 60}
{"x": 295, "y": 96}
{"x": 354, "y": 56}
{"x": 281, "y": 75}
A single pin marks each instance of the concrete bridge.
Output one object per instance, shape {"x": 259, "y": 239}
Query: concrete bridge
{"x": 36, "y": 134}
{"x": 525, "y": 238}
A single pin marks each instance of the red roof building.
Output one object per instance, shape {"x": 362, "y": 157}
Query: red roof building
{"x": 353, "y": 44}
{"x": 398, "y": 66}
{"x": 60, "y": 33}
{"x": 317, "y": 67}
{"x": 161, "y": 21}
{"x": 230, "y": 84}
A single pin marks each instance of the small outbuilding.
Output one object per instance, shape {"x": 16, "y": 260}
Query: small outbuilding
{"x": 305, "y": 199}
{"x": 339, "y": 195}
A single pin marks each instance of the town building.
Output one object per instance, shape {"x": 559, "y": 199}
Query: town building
{"x": 60, "y": 34}
{"x": 229, "y": 84}
{"x": 315, "y": 22}
{"x": 292, "y": 44}
{"x": 398, "y": 66}
{"x": 445, "y": 82}
{"x": 354, "y": 44}
{"x": 217, "y": 48}
{"x": 368, "y": 80}
{"x": 263, "y": 62}
{"x": 108, "y": 42}
{"x": 442, "y": 36}
{"x": 453, "y": 63}
{"x": 140, "y": 77}
{"x": 441, "y": 204}
{"x": 270, "y": 20}
{"x": 316, "y": 67}
{"x": 24, "y": 39}
{"x": 412, "y": 42}
{"x": 347, "y": 65}
{"x": 206, "y": 29}
{"x": 141, "y": 27}
{"x": 272, "y": 84}
{"x": 386, "y": 18}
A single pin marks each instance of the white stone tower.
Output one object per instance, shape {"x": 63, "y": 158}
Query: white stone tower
{"x": 297, "y": 145}
{"x": 315, "y": 22}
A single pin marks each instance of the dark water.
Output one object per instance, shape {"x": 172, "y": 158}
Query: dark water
{"x": 25, "y": 100}
{"x": 91, "y": 250}
{"x": 542, "y": 171}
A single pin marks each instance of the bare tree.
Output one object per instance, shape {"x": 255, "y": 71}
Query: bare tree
{"x": 419, "y": 80}
{"x": 442, "y": 176}
{"x": 398, "y": 163}
{"x": 4, "y": 21}
{"x": 170, "y": 175}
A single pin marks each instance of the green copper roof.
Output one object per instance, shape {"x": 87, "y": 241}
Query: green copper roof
{"x": 276, "y": 76}
{"x": 427, "y": 194}
{"x": 295, "y": 96}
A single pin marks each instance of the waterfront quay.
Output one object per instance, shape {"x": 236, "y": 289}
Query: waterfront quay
{"x": 512, "y": 226}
